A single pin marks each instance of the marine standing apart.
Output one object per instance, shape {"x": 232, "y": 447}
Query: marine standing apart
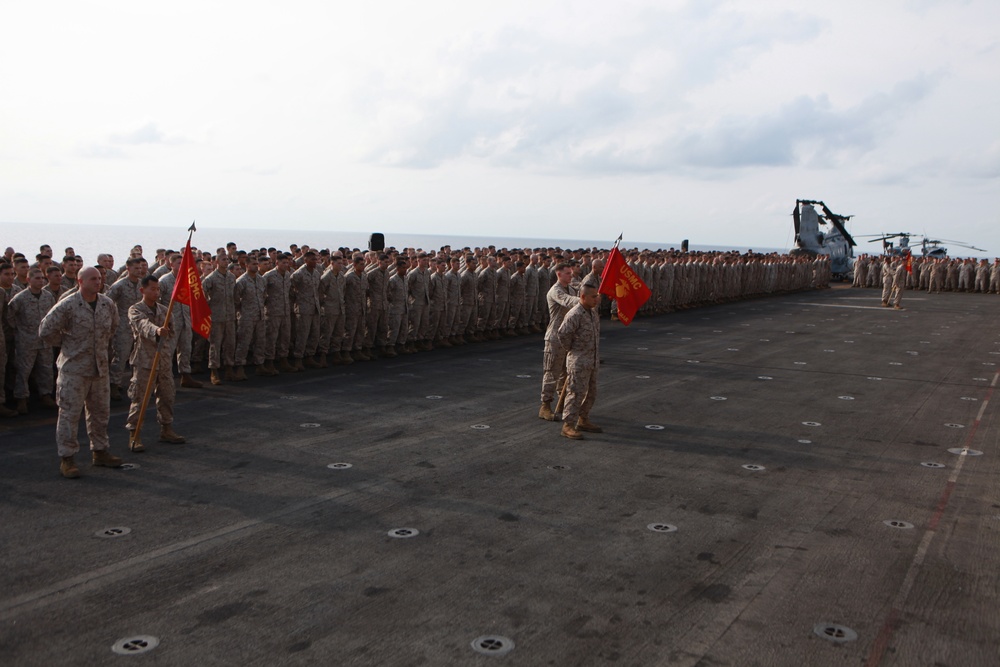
{"x": 560, "y": 299}
{"x": 82, "y": 325}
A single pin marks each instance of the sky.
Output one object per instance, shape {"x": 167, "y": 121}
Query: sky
{"x": 577, "y": 119}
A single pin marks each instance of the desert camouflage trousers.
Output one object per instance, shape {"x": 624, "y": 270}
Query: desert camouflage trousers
{"x": 73, "y": 394}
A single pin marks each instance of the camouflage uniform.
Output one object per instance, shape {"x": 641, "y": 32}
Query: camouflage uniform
{"x": 251, "y": 327}
{"x": 143, "y": 323}
{"x": 501, "y": 300}
{"x": 355, "y": 302}
{"x": 438, "y": 309}
{"x": 83, "y": 334}
{"x": 31, "y": 354}
{"x": 306, "y": 300}
{"x": 515, "y": 301}
{"x": 219, "y": 290}
{"x": 399, "y": 309}
{"x": 378, "y": 315}
{"x": 486, "y": 289}
{"x": 467, "y": 314}
{"x": 331, "y": 335}
{"x": 560, "y": 300}
{"x": 124, "y": 294}
{"x": 449, "y": 327}
{"x": 578, "y": 335}
{"x": 530, "y": 295}
{"x": 277, "y": 308}
{"x": 418, "y": 289}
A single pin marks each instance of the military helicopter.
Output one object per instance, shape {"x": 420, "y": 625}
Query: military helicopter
{"x": 811, "y": 241}
{"x": 933, "y": 248}
{"x": 928, "y": 247}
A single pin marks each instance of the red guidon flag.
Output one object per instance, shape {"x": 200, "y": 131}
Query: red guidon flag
{"x": 188, "y": 290}
{"x": 909, "y": 263}
{"x": 621, "y": 283}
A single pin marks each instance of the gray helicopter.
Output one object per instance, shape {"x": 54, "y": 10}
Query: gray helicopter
{"x": 928, "y": 247}
{"x": 810, "y": 240}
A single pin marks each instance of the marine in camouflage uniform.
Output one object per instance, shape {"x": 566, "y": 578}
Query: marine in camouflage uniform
{"x": 418, "y": 287}
{"x": 560, "y": 298}
{"x": 278, "y": 310}
{"x": 308, "y": 312}
{"x": 146, "y": 321}
{"x": 31, "y": 354}
{"x": 468, "y": 301}
{"x": 355, "y": 302}
{"x": 251, "y": 326}
{"x": 82, "y": 326}
{"x": 399, "y": 307}
{"x": 438, "y": 310}
{"x": 219, "y": 288}
{"x": 377, "y": 332}
{"x": 579, "y": 334}
{"x": 331, "y": 287}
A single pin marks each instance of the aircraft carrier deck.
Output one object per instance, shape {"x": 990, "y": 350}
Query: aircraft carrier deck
{"x": 807, "y": 479}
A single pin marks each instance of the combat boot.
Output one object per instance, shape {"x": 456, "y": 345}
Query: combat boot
{"x": 230, "y": 375}
{"x": 570, "y": 432}
{"x": 189, "y": 382}
{"x": 370, "y": 353}
{"x": 167, "y": 435}
{"x": 321, "y": 361}
{"x": 213, "y": 376}
{"x": 298, "y": 366}
{"x": 116, "y": 393}
{"x": 388, "y": 352}
{"x": 135, "y": 442}
{"x": 269, "y": 367}
{"x": 240, "y": 375}
{"x": 22, "y": 406}
{"x": 545, "y": 412}
{"x": 584, "y": 424}
{"x": 262, "y": 370}
{"x": 7, "y": 412}
{"x": 48, "y": 402}
{"x": 345, "y": 358}
{"x": 284, "y": 366}
{"x": 68, "y": 469}
{"x": 443, "y": 342}
{"x": 308, "y": 362}
{"x": 103, "y": 457}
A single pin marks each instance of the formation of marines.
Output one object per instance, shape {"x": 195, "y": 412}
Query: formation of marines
{"x": 285, "y": 312}
{"x": 930, "y": 274}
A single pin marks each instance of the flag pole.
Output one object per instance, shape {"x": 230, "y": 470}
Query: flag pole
{"x": 135, "y": 436}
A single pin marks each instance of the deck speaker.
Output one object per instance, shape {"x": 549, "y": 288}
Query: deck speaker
{"x": 684, "y": 245}
{"x": 376, "y": 242}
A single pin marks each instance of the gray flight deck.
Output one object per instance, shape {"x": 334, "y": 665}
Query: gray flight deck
{"x": 247, "y": 548}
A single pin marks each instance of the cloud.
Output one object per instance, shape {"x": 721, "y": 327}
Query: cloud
{"x": 147, "y": 134}
{"x": 521, "y": 98}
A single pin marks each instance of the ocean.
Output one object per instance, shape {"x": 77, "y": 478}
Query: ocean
{"x": 90, "y": 240}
